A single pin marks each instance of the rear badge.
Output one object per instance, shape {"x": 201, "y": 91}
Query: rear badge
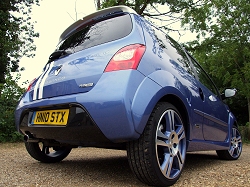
{"x": 86, "y": 85}
{"x": 57, "y": 71}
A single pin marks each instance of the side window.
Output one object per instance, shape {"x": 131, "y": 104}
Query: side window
{"x": 202, "y": 76}
{"x": 173, "y": 49}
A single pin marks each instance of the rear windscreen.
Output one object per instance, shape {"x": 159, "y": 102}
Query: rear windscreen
{"x": 98, "y": 33}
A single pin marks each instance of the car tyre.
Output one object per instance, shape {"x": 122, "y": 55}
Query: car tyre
{"x": 235, "y": 149}
{"x": 47, "y": 154}
{"x": 158, "y": 156}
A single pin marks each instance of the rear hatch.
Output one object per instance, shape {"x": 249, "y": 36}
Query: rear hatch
{"x": 81, "y": 57}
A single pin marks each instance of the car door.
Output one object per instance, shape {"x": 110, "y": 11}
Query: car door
{"x": 214, "y": 111}
{"x": 182, "y": 70}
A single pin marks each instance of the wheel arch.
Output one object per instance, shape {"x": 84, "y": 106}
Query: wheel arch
{"x": 143, "y": 104}
{"x": 178, "y": 103}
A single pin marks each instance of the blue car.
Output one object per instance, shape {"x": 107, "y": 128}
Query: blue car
{"x": 116, "y": 81}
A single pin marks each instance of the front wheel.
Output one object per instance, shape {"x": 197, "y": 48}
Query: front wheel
{"x": 47, "y": 154}
{"x": 235, "y": 149}
{"x": 157, "y": 157}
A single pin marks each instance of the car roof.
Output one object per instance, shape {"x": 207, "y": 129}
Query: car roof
{"x": 93, "y": 16}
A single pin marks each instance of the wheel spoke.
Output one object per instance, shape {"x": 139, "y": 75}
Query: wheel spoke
{"x": 170, "y": 166}
{"x": 180, "y": 130}
{"x": 161, "y": 135}
{"x": 238, "y": 139}
{"x": 182, "y": 136}
{"x": 180, "y": 159}
{"x": 162, "y": 139}
{"x": 162, "y": 143}
{"x": 233, "y": 132}
{"x": 181, "y": 133}
{"x": 167, "y": 165}
{"x": 171, "y": 120}
{"x": 231, "y": 151}
{"x": 238, "y": 150}
{"x": 45, "y": 149}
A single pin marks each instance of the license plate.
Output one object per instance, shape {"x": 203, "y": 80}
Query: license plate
{"x": 51, "y": 117}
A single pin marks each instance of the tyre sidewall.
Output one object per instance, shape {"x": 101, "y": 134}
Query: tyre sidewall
{"x": 34, "y": 150}
{"x": 158, "y": 113}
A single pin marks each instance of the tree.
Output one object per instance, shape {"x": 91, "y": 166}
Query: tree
{"x": 16, "y": 34}
{"x": 223, "y": 42}
{"x": 164, "y": 12}
{"x": 16, "y": 40}
{"x": 10, "y": 94}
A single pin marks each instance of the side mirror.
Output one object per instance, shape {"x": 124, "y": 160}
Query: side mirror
{"x": 228, "y": 93}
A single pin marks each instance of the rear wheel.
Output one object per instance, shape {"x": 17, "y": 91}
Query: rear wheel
{"x": 235, "y": 149}
{"x": 47, "y": 154}
{"x": 157, "y": 157}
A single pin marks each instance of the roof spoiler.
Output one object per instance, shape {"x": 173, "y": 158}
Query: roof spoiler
{"x": 93, "y": 16}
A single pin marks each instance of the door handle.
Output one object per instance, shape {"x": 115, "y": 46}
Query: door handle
{"x": 201, "y": 94}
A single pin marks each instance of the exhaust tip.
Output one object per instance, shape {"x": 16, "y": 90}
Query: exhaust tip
{"x": 29, "y": 138}
{"x": 26, "y": 137}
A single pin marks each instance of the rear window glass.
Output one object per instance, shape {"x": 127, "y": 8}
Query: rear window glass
{"x": 98, "y": 33}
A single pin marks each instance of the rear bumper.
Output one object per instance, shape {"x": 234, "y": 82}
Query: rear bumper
{"x": 80, "y": 129}
{"x": 106, "y": 112}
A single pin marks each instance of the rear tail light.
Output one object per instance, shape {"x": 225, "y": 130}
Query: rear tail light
{"x": 126, "y": 58}
{"x": 30, "y": 85}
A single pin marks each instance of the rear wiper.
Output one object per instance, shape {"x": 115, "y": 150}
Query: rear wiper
{"x": 58, "y": 54}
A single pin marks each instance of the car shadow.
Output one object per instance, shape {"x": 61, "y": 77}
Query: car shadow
{"x": 113, "y": 170}
{"x": 197, "y": 159}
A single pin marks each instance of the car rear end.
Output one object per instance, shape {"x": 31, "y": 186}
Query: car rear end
{"x": 83, "y": 96}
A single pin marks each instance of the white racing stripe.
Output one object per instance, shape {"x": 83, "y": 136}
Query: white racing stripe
{"x": 41, "y": 78}
{"x": 38, "y": 83}
{"x": 40, "y": 93}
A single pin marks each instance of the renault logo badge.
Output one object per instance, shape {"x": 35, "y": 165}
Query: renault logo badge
{"x": 58, "y": 69}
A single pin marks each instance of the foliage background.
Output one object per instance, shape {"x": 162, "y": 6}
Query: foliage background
{"x": 16, "y": 34}
{"x": 222, "y": 44}
{"x": 222, "y": 47}
{"x": 10, "y": 94}
{"x": 16, "y": 40}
